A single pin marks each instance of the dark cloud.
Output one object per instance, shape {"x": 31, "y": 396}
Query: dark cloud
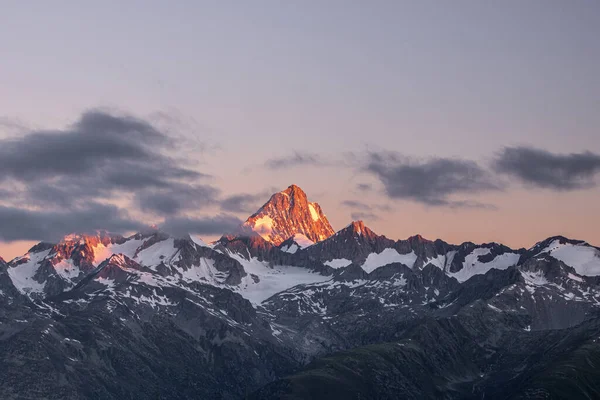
{"x": 23, "y": 224}
{"x": 543, "y": 169}
{"x": 429, "y": 182}
{"x": 239, "y": 203}
{"x": 364, "y": 187}
{"x": 97, "y": 141}
{"x": 356, "y": 204}
{"x": 64, "y": 179}
{"x": 367, "y": 216}
{"x": 216, "y": 225}
{"x": 100, "y": 156}
{"x": 177, "y": 198}
{"x": 296, "y": 159}
{"x": 243, "y": 202}
{"x": 246, "y": 202}
{"x": 364, "y": 211}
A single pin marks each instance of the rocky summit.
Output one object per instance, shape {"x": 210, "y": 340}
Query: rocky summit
{"x": 288, "y": 213}
{"x": 286, "y": 308}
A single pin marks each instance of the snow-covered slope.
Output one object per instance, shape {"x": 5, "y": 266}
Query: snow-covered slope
{"x": 388, "y": 256}
{"x": 295, "y": 243}
{"x": 585, "y": 259}
{"x": 474, "y": 266}
{"x": 263, "y": 281}
{"x": 338, "y": 263}
{"x": 23, "y": 269}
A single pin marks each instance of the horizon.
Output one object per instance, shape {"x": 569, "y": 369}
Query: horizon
{"x": 215, "y": 238}
{"x": 418, "y": 118}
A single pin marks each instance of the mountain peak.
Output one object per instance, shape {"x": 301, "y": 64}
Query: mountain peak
{"x": 288, "y": 213}
{"x": 358, "y": 228}
{"x": 100, "y": 236}
{"x": 293, "y": 189}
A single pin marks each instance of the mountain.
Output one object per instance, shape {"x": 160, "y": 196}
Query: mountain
{"x": 353, "y": 243}
{"x": 288, "y": 213}
{"x": 300, "y": 312}
{"x": 580, "y": 255}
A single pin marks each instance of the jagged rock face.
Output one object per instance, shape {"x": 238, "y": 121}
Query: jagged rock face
{"x": 81, "y": 249}
{"x": 288, "y": 213}
{"x": 355, "y": 242}
{"x": 247, "y": 246}
{"x": 49, "y": 269}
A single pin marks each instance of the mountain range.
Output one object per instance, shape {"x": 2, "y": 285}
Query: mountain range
{"x": 285, "y": 307}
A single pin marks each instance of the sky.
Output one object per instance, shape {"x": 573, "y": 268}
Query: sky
{"x": 466, "y": 120}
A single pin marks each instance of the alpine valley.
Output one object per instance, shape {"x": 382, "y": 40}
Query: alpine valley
{"x": 287, "y": 308}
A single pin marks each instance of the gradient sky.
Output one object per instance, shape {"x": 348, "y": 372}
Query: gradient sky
{"x": 332, "y": 84}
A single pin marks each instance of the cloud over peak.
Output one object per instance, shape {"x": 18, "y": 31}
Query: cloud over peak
{"x": 86, "y": 172}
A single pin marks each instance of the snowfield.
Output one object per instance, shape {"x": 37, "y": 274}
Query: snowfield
{"x": 472, "y": 266}
{"x": 584, "y": 259}
{"x": 388, "y": 256}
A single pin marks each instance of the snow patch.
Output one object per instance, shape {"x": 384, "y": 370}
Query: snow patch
{"x": 302, "y": 240}
{"x": 472, "y": 266}
{"x": 22, "y": 275}
{"x": 264, "y": 227}
{"x": 575, "y": 277}
{"x": 291, "y": 249}
{"x": 163, "y": 251}
{"x": 338, "y": 263}
{"x": 205, "y": 271}
{"x": 313, "y": 212}
{"x": 271, "y": 280}
{"x": 533, "y": 280}
{"x": 388, "y": 256}
{"x": 584, "y": 259}
{"x": 438, "y": 261}
{"x": 67, "y": 270}
{"x": 127, "y": 248}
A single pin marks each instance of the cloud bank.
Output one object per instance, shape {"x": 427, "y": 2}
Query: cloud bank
{"x": 432, "y": 182}
{"x": 540, "y": 168}
{"x": 56, "y": 182}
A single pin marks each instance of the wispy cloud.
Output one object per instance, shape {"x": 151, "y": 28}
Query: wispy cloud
{"x": 216, "y": 225}
{"x": 364, "y": 206}
{"x": 364, "y": 187}
{"x": 296, "y": 159}
{"x": 366, "y": 216}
